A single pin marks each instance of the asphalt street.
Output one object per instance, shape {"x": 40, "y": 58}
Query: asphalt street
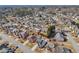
{"x": 24, "y": 48}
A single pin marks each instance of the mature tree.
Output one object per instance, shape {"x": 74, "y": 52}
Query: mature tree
{"x": 51, "y": 31}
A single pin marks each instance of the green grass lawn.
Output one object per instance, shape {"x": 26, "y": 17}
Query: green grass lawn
{"x": 77, "y": 21}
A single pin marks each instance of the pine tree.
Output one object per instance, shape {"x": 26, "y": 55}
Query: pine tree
{"x": 51, "y": 31}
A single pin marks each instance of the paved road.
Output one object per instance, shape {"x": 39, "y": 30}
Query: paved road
{"x": 70, "y": 39}
{"x": 73, "y": 42}
{"x": 23, "y": 48}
